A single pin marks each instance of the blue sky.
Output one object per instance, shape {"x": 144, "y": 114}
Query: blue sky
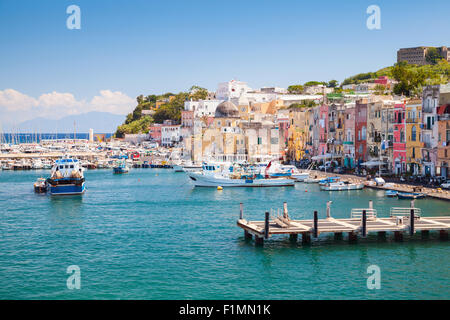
{"x": 138, "y": 46}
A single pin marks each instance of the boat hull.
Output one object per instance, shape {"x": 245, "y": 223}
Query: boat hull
{"x": 201, "y": 180}
{"x": 120, "y": 170}
{"x": 67, "y": 189}
{"x": 300, "y": 177}
{"x": 408, "y": 196}
{"x": 342, "y": 188}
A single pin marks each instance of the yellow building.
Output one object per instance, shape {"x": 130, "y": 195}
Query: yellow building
{"x": 413, "y": 142}
{"x": 298, "y": 133}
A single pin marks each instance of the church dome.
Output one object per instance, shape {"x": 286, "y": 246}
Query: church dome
{"x": 227, "y": 110}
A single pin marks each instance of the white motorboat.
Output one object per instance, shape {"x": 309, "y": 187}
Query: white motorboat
{"x": 341, "y": 186}
{"x": 222, "y": 175}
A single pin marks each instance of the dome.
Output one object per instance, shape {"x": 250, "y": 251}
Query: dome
{"x": 227, "y": 110}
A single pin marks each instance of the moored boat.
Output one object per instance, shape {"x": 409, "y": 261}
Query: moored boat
{"x": 341, "y": 186}
{"x": 215, "y": 175}
{"x": 391, "y": 193}
{"x": 411, "y": 195}
{"x": 40, "y": 186}
{"x": 328, "y": 180}
{"x": 120, "y": 167}
{"x": 67, "y": 177}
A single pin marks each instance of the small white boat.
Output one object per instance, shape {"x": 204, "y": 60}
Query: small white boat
{"x": 341, "y": 186}
{"x": 40, "y": 186}
{"x": 312, "y": 180}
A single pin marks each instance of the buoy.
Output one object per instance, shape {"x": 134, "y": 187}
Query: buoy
{"x": 219, "y": 188}
{"x": 306, "y": 190}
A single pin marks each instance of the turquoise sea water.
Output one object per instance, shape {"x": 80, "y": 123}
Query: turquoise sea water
{"x": 151, "y": 235}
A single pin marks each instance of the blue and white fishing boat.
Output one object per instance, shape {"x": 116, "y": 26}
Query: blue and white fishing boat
{"x": 411, "y": 195}
{"x": 391, "y": 193}
{"x": 120, "y": 167}
{"x": 328, "y": 180}
{"x": 67, "y": 177}
{"x": 225, "y": 175}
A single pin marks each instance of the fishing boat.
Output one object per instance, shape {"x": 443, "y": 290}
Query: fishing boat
{"x": 341, "y": 186}
{"x": 287, "y": 171}
{"x": 67, "y": 177}
{"x": 328, "y": 180}
{"x": 391, "y": 193}
{"x": 40, "y": 186}
{"x": 411, "y": 195}
{"x": 222, "y": 175}
{"x": 120, "y": 167}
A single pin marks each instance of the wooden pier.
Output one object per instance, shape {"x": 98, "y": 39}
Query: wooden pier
{"x": 361, "y": 223}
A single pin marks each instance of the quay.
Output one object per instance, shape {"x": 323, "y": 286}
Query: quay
{"x": 429, "y": 192}
{"x": 50, "y": 155}
{"x": 361, "y": 223}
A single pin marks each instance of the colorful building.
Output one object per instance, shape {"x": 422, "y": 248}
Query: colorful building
{"x": 413, "y": 133}
{"x": 361, "y": 131}
{"x": 399, "y": 155}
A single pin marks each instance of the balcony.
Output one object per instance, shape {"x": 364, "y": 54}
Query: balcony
{"x": 412, "y": 120}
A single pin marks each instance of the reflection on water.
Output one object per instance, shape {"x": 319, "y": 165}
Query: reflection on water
{"x": 66, "y": 209}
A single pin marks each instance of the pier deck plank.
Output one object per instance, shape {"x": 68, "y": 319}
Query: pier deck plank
{"x": 351, "y": 225}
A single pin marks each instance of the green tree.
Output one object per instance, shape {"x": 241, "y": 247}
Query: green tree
{"x": 410, "y": 79}
{"x": 433, "y": 55}
{"x": 198, "y": 93}
{"x": 295, "y": 89}
{"x": 332, "y": 84}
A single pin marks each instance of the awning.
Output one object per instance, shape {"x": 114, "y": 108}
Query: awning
{"x": 322, "y": 157}
{"x": 370, "y": 164}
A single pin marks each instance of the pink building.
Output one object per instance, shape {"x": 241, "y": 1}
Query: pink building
{"x": 384, "y": 80}
{"x": 360, "y": 131}
{"x": 155, "y": 132}
{"x": 399, "y": 155}
{"x": 349, "y": 136}
{"x": 323, "y": 129}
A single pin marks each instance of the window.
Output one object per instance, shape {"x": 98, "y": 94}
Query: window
{"x": 413, "y": 134}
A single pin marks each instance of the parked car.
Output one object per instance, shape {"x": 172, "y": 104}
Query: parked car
{"x": 328, "y": 165}
{"x": 446, "y": 185}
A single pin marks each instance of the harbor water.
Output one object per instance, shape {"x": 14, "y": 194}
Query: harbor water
{"x": 149, "y": 234}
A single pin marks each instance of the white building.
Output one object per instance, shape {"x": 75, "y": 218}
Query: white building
{"x": 231, "y": 89}
{"x": 202, "y": 107}
{"x": 170, "y": 134}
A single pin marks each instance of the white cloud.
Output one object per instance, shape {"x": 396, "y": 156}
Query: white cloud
{"x": 112, "y": 101}
{"x": 13, "y": 100}
{"x": 17, "y": 107}
{"x": 56, "y": 99}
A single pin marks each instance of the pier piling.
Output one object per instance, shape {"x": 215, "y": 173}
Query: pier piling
{"x": 241, "y": 212}
{"x": 247, "y": 235}
{"x": 259, "y": 241}
{"x": 306, "y": 238}
{"x": 443, "y": 234}
{"x": 316, "y": 223}
{"x": 293, "y": 237}
{"x": 364, "y": 223}
{"x": 338, "y": 236}
{"x": 425, "y": 234}
{"x": 352, "y": 237}
{"x": 398, "y": 236}
{"x": 411, "y": 222}
{"x": 266, "y": 226}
